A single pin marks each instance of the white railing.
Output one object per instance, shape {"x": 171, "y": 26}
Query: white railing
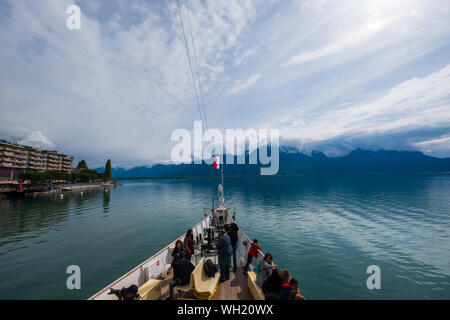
{"x": 154, "y": 267}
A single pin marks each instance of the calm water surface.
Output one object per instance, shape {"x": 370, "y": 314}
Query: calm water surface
{"x": 326, "y": 231}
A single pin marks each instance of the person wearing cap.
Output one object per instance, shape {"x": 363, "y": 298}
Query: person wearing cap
{"x": 225, "y": 250}
{"x": 130, "y": 293}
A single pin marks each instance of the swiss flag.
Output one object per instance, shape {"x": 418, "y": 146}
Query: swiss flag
{"x": 216, "y": 164}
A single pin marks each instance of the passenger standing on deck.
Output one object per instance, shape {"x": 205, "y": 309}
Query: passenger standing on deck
{"x": 233, "y": 234}
{"x": 265, "y": 270}
{"x": 225, "y": 250}
{"x": 252, "y": 253}
{"x": 189, "y": 244}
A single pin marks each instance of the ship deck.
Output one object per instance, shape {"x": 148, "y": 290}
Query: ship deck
{"x": 234, "y": 289}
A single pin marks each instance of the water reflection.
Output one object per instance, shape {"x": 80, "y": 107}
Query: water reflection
{"x": 27, "y": 217}
{"x": 24, "y": 215}
{"x": 106, "y": 200}
{"x": 325, "y": 230}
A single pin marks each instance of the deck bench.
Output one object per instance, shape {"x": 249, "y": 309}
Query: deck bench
{"x": 203, "y": 287}
{"x": 151, "y": 290}
{"x": 255, "y": 290}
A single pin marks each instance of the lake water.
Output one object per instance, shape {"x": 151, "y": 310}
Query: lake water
{"x": 325, "y": 230}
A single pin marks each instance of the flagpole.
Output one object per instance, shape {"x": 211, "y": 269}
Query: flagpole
{"x": 223, "y": 164}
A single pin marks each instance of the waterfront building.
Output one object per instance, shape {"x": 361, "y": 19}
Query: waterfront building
{"x": 16, "y": 158}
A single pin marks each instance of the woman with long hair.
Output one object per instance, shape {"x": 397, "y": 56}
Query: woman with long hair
{"x": 265, "y": 270}
{"x": 189, "y": 244}
{"x": 176, "y": 254}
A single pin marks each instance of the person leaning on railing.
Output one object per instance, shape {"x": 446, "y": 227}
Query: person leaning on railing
{"x": 265, "y": 270}
{"x": 274, "y": 284}
{"x": 291, "y": 291}
{"x": 252, "y": 253}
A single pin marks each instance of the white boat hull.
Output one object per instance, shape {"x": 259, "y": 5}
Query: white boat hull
{"x": 158, "y": 265}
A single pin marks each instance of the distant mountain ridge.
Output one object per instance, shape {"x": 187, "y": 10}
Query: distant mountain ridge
{"x": 294, "y": 162}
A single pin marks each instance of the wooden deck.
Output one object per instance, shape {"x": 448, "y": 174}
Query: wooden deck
{"x": 234, "y": 289}
{"x": 165, "y": 287}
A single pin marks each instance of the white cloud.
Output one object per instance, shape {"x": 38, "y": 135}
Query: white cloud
{"x": 38, "y": 140}
{"x": 116, "y": 88}
{"x": 316, "y": 5}
{"x": 120, "y": 85}
{"x": 244, "y": 56}
{"x": 240, "y": 85}
{"x": 413, "y": 104}
{"x": 433, "y": 142}
{"x": 374, "y": 24}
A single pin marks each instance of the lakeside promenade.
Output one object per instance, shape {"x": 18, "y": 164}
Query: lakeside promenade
{"x": 13, "y": 187}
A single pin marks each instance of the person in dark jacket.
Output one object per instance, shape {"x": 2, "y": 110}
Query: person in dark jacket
{"x": 291, "y": 291}
{"x": 274, "y": 284}
{"x": 225, "y": 250}
{"x": 233, "y": 234}
{"x": 182, "y": 270}
{"x": 189, "y": 244}
{"x": 179, "y": 248}
{"x": 130, "y": 293}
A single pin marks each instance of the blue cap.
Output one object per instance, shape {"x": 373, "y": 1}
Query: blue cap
{"x": 131, "y": 289}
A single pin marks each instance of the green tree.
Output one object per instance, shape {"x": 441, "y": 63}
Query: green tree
{"x": 108, "y": 170}
{"x": 82, "y": 165}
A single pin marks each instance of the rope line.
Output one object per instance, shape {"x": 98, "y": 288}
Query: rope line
{"x": 196, "y": 66}
{"x": 190, "y": 64}
{"x": 201, "y": 106}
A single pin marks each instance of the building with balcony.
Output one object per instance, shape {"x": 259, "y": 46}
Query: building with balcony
{"x": 16, "y": 158}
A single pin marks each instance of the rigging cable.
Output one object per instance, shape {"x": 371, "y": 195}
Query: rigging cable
{"x": 199, "y": 105}
{"x": 190, "y": 63}
{"x": 198, "y": 75}
{"x": 196, "y": 65}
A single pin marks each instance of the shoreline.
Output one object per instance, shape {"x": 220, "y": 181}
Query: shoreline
{"x": 288, "y": 175}
{"x": 67, "y": 187}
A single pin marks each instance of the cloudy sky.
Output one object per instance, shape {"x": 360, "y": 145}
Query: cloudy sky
{"x": 332, "y": 75}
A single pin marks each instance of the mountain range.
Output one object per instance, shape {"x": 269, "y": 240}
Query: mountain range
{"x": 294, "y": 162}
